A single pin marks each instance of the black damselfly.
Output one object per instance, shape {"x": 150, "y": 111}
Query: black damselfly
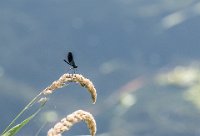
{"x": 70, "y": 61}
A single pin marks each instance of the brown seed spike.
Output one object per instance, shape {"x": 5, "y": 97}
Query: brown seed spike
{"x": 70, "y": 120}
{"x": 66, "y": 78}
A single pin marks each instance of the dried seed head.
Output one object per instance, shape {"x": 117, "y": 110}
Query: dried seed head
{"x": 66, "y": 78}
{"x": 66, "y": 123}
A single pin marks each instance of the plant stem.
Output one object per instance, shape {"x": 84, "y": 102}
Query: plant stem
{"x": 25, "y": 108}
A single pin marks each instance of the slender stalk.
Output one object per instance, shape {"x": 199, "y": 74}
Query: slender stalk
{"x": 25, "y": 108}
{"x": 38, "y": 132}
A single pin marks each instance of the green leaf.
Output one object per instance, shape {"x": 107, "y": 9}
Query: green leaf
{"x": 25, "y": 108}
{"x": 16, "y": 128}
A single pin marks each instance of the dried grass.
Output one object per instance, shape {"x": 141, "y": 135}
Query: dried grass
{"x": 67, "y": 78}
{"x": 66, "y": 123}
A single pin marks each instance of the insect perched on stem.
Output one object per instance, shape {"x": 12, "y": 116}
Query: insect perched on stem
{"x": 70, "y": 61}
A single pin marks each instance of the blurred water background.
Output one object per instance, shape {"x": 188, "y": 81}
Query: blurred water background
{"x": 143, "y": 57}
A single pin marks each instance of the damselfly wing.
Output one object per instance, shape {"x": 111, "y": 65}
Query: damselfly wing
{"x": 70, "y": 60}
